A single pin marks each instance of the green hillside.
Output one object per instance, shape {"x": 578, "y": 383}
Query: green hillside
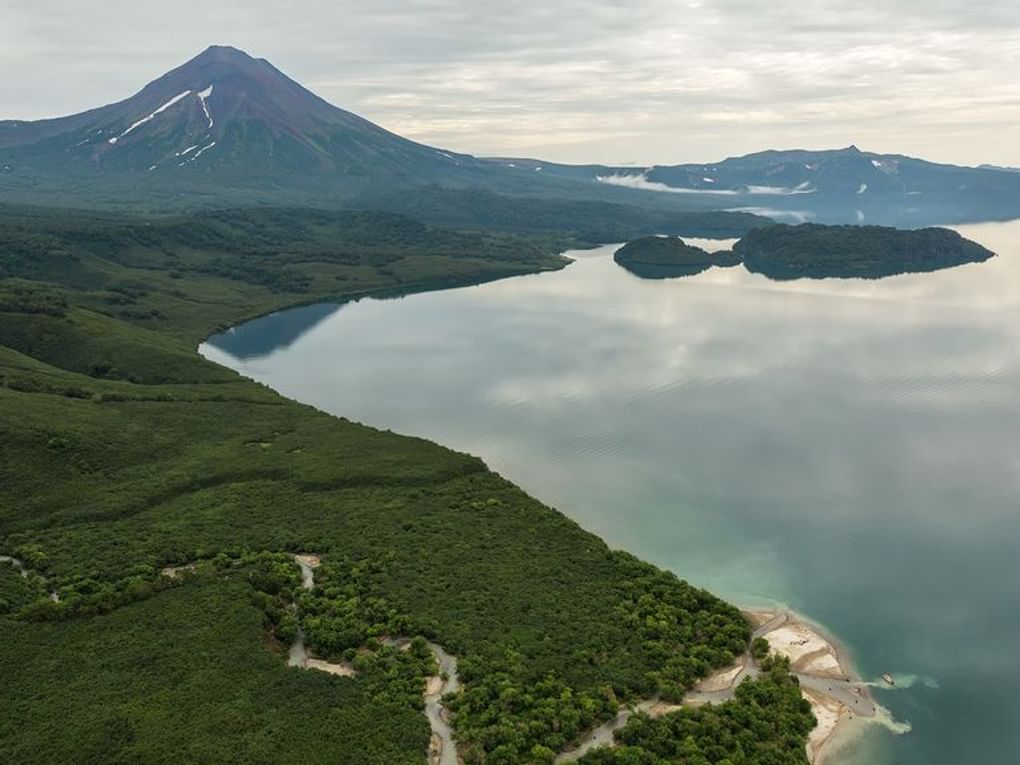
{"x": 124, "y": 451}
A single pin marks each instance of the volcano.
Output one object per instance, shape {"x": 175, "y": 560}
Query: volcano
{"x": 225, "y": 119}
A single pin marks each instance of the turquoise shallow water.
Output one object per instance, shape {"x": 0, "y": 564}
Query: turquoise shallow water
{"x": 847, "y": 448}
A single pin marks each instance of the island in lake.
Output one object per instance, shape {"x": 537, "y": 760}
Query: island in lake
{"x": 664, "y": 257}
{"x": 810, "y": 251}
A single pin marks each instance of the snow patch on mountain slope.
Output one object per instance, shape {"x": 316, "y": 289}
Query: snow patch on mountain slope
{"x": 203, "y": 97}
{"x": 202, "y": 151}
{"x": 149, "y": 118}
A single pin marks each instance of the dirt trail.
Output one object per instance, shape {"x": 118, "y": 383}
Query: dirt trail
{"x": 25, "y": 574}
{"x": 442, "y": 748}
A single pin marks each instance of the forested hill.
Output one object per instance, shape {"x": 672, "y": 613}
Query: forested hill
{"x": 809, "y": 251}
{"x": 661, "y": 257}
{"x": 124, "y": 452}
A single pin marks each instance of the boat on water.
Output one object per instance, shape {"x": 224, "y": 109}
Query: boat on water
{"x": 888, "y": 678}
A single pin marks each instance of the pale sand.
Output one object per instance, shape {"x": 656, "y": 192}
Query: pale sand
{"x": 721, "y": 680}
{"x": 662, "y": 708}
{"x": 822, "y": 663}
{"x": 830, "y": 715}
{"x": 434, "y": 687}
{"x": 312, "y": 561}
{"x": 175, "y": 571}
{"x": 435, "y": 749}
{"x": 796, "y": 641}
{"x": 758, "y": 618}
{"x": 346, "y": 669}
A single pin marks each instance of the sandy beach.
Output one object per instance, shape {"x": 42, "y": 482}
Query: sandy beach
{"x": 838, "y": 697}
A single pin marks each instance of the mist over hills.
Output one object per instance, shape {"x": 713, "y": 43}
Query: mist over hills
{"x": 227, "y": 129}
{"x": 840, "y": 185}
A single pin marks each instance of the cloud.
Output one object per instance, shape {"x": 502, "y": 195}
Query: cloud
{"x": 641, "y": 182}
{"x": 657, "y": 81}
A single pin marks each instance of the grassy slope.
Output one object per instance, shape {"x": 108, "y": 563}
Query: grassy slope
{"x": 124, "y": 451}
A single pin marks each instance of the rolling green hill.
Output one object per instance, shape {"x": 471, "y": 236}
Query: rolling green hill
{"x": 871, "y": 252}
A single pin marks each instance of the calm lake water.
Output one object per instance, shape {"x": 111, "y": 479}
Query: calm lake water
{"x": 850, "y": 449}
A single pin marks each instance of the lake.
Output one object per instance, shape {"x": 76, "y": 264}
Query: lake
{"x": 847, "y": 448}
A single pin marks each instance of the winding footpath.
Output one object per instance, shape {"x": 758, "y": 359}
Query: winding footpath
{"x": 827, "y": 681}
{"x": 25, "y": 574}
{"x": 442, "y": 747}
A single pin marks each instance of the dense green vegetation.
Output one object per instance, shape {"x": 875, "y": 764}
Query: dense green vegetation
{"x": 588, "y": 220}
{"x": 516, "y": 714}
{"x": 816, "y": 251}
{"x": 663, "y": 257}
{"x": 187, "y": 676}
{"x": 17, "y": 591}
{"x": 766, "y": 722}
{"x": 123, "y": 451}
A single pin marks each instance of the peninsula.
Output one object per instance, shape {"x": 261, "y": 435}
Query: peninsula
{"x": 827, "y": 698}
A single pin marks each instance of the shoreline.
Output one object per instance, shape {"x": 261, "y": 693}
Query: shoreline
{"x": 827, "y": 666}
{"x": 840, "y": 698}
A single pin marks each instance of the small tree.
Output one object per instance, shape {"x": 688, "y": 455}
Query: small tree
{"x": 759, "y": 648}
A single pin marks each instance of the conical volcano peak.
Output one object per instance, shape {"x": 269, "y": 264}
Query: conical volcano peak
{"x": 222, "y": 60}
{"x": 218, "y": 63}
{"x": 227, "y": 112}
{"x": 223, "y": 53}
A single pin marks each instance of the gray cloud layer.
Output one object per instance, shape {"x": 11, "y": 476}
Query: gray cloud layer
{"x": 648, "y": 81}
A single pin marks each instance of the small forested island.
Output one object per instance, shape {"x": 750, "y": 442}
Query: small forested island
{"x": 815, "y": 251}
{"x": 811, "y": 251}
{"x": 663, "y": 257}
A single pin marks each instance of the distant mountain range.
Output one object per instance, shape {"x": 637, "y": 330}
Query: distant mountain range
{"x": 229, "y": 129}
{"x": 840, "y": 185}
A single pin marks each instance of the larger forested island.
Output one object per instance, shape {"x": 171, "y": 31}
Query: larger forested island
{"x": 810, "y": 251}
{"x": 815, "y": 251}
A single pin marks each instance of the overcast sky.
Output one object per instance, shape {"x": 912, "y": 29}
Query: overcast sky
{"x": 627, "y": 81}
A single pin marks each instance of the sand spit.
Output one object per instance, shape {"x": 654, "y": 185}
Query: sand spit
{"x": 840, "y": 700}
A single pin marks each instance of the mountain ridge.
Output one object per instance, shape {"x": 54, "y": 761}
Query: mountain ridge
{"x": 228, "y": 129}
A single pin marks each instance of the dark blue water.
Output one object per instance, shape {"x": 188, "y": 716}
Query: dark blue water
{"x": 850, "y": 449}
